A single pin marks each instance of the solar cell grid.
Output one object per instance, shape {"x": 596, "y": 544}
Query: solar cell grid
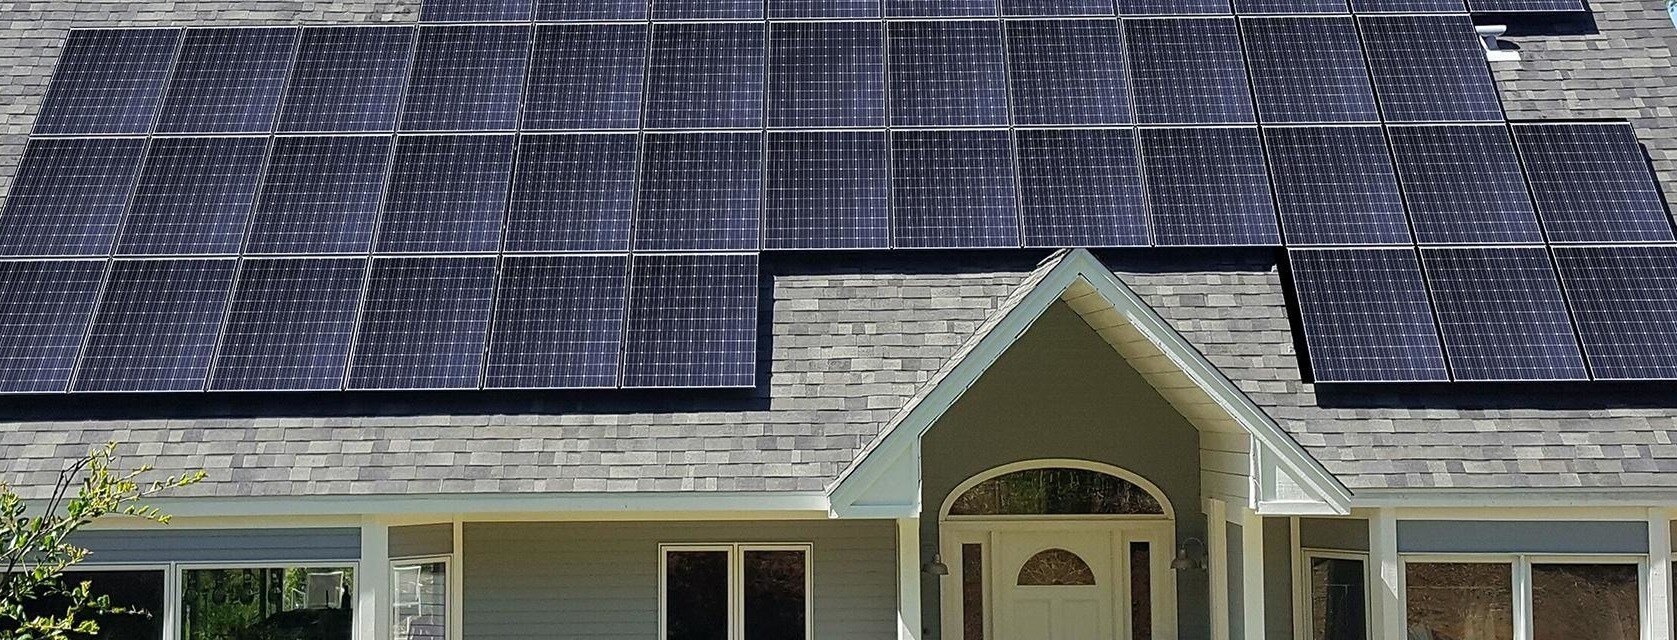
{"x": 558, "y": 322}
{"x": 1335, "y": 186}
{"x": 44, "y": 310}
{"x": 319, "y": 195}
{"x": 228, "y": 80}
{"x": 1308, "y": 70}
{"x": 466, "y": 78}
{"x": 1624, "y": 300}
{"x": 953, "y": 190}
{"x": 347, "y": 79}
{"x": 939, "y": 8}
{"x": 1501, "y": 314}
{"x": 423, "y": 324}
{"x": 475, "y": 10}
{"x": 706, "y": 76}
{"x": 1067, "y": 72}
{"x": 1188, "y": 71}
{"x": 289, "y": 325}
{"x": 447, "y": 194}
{"x": 700, "y": 192}
{"x": 108, "y": 81}
{"x": 1366, "y": 316}
{"x": 573, "y": 193}
{"x": 555, "y": 10}
{"x": 1463, "y": 184}
{"x": 586, "y": 76}
{"x": 1407, "y": 6}
{"x": 1592, "y": 183}
{"x": 1429, "y": 69}
{"x": 948, "y": 73}
{"x": 823, "y": 8}
{"x": 1081, "y": 188}
{"x": 156, "y": 325}
{"x": 68, "y": 196}
{"x": 1054, "y": 8}
{"x": 826, "y": 74}
{"x": 1519, "y": 6}
{"x": 1172, "y": 7}
{"x": 1289, "y": 7}
{"x": 707, "y": 9}
{"x": 1208, "y": 186}
{"x": 692, "y": 321}
{"x": 194, "y": 196}
{"x": 828, "y": 190}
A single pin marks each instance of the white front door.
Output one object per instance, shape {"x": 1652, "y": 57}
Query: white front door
{"x": 1055, "y": 585}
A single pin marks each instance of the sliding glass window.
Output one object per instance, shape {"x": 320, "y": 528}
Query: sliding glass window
{"x": 735, "y": 592}
{"x": 292, "y": 602}
{"x": 1336, "y": 603}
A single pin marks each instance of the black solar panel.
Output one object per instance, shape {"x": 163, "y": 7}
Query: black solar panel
{"x": 1408, "y": 6}
{"x": 228, "y": 80}
{"x": 1624, "y": 300}
{"x": 1592, "y": 183}
{"x": 700, "y": 192}
{"x": 475, "y": 10}
{"x": 828, "y": 190}
{"x": 347, "y": 79}
{"x": 706, "y": 76}
{"x": 1172, "y": 7}
{"x": 1366, "y": 316}
{"x": 289, "y": 325}
{"x": 1289, "y": 7}
{"x": 156, "y": 326}
{"x": 1188, "y": 71}
{"x": 1501, "y": 314}
{"x": 108, "y": 81}
{"x": 1523, "y": 6}
{"x": 1081, "y": 188}
{"x": 423, "y": 324}
{"x": 573, "y": 192}
{"x": 1429, "y": 69}
{"x": 1067, "y": 72}
{"x": 586, "y": 76}
{"x": 319, "y": 195}
{"x": 824, "y": 8}
{"x": 826, "y": 74}
{"x": 953, "y": 190}
{"x": 558, "y": 322}
{"x": 1308, "y": 70}
{"x": 194, "y": 196}
{"x": 939, "y": 8}
{"x": 1335, "y": 186}
{"x": 68, "y": 196}
{"x": 692, "y": 322}
{"x": 1052, "y": 8}
{"x": 44, "y": 309}
{"x": 948, "y": 73}
{"x": 467, "y": 78}
{"x": 707, "y": 9}
{"x": 1463, "y": 184}
{"x": 1208, "y": 186}
{"x": 447, "y": 194}
{"x": 550, "y": 10}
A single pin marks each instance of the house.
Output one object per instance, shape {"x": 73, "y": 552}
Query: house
{"x": 447, "y": 419}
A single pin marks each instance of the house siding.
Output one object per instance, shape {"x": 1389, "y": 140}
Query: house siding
{"x": 1479, "y": 536}
{"x": 421, "y": 540}
{"x": 110, "y": 546}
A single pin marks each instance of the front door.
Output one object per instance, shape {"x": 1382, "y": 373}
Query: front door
{"x": 1055, "y": 585}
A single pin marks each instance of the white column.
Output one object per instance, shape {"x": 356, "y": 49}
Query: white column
{"x": 908, "y": 579}
{"x": 1656, "y": 625}
{"x": 1217, "y": 565}
{"x": 457, "y": 585}
{"x": 1386, "y": 577}
{"x": 1252, "y": 573}
{"x": 372, "y": 582}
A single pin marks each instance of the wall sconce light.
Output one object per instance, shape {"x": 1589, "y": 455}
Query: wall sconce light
{"x": 936, "y": 567}
{"x": 1186, "y": 560}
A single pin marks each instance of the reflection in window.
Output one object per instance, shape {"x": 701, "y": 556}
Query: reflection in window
{"x": 1141, "y": 591}
{"x": 1055, "y": 568}
{"x": 1459, "y": 600}
{"x": 773, "y": 588}
{"x": 420, "y": 595}
{"x": 1585, "y": 602}
{"x": 775, "y": 598}
{"x": 696, "y": 595}
{"x": 1055, "y": 492}
{"x": 294, "y": 603}
{"x": 972, "y": 591}
{"x": 1337, "y": 600}
{"x": 137, "y": 591}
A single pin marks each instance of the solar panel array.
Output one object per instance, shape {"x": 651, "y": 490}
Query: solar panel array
{"x": 563, "y": 194}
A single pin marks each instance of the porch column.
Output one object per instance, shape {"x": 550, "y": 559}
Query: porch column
{"x": 372, "y": 582}
{"x": 1252, "y": 574}
{"x": 1217, "y": 565}
{"x": 908, "y": 579}
{"x": 1657, "y": 624}
{"x": 1386, "y": 573}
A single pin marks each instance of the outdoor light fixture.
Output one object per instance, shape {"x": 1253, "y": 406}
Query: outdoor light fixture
{"x": 936, "y": 567}
{"x": 1184, "y": 561}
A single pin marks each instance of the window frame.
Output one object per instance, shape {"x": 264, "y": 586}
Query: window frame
{"x": 1521, "y": 581}
{"x": 447, "y": 561}
{"x": 177, "y": 605}
{"x": 1301, "y": 588}
{"x": 170, "y": 614}
{"x": 736, "y": 580}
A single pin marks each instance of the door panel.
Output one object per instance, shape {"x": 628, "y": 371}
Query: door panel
{"x": 1056, "y": 602}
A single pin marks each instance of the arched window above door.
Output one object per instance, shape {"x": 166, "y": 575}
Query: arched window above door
{"x": 1056, "y": 491}
{"x": 1056, "y": 568}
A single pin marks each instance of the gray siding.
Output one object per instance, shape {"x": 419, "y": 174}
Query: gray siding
{"x": 220, "y": 545}
{"x": 1341, "y": 534}
{"x": 1462, "y": 536}
{"x": 422, "y": 540}
{"x": 1278, "y": 578}
{"x": 597, "y": 581}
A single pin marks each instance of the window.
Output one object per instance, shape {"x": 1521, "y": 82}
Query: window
{"x": 1460, "y": 600}
{"x": 735, "y": 592}
{"x": 972, "y": 591}
{"x": 1055, "y": 491}
{"x": 138, "y": 591}
{"x": 301, "y": 603}
{"x": 419, "y": 596}
{"x": 1585, "y": 602}
{"x": 1337, "y": 601}
{"x": 1553, "y": 598}
{"x": 1056, "y": 568}
{"x": 1141, "y": 591}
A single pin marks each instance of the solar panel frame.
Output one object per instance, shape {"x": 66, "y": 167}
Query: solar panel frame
{"x": 586, "y": 76}
{"x": 466, "y": 78}
{"x": 228, "y": 80}
{"x": 1366, "y": 316}
{"x": 319, "y": 195}
{"x": 1056, "y": 8}
{"x": 1081, "y": 188}
{"x": 1067, "y": 72}
{"x": 476, "y": 10}
{"x": 1290, "y": 7}
{"x": 193, "y": 197}
{"x": 1308, "y": 70}
{"x": 1188, "y": 71}
{"x": 947, "y": 73}
{"x": 108, "y": 81}
{"x": 940, "y": 8}
{"x": 559, "y": 322}
{"x": 1463, "y": 184}
{"x": 794, "y": 9}
{"x": 156, "y": 326}
{"x": 45, "y": 307}
{"x": 1335, "y": 185}
{"x": 447, "y": 193}
{"x": 826, "y": 74}
{"x": 68, "y": 196}
{"x": 699, "y": 192}
{"x": 347, "y": 79}
{"x": 1208, "y": 186}
{"x": 692, "y": 321}
{"x": 1153, "y": 8}
{"x": 1526, "y": 6}
{"x": 1429, "y": 69}
{"x": 573, "y": 192}
{"x": 1407, "y": 6}
{"x": 828, "y": 190}
{"x": 706, "y": 76}
{"x": 590, "y": 10}
{"x": 424, "y": 323}
{"x": 953, "y": 189}
{"x": 1592, "y": 183}
{"x": 289, "y": 325}
{"x": 1624, "y": 303}
{"x": 707, "y": 9}
{"x": 1501, "y": 314}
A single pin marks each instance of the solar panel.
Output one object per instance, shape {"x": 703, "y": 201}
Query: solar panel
{"x": 1366, "y": 316}
{"x": 194, "y": 196}
{"x": 1081, "y": 188}
{"x": 447, "y": 194}
{"x": 466, "y": 78}
{"x": 423, "y": 324}
{"x": 826, "y": 74}
{"x": 1524, "y": 6}
{"x": 707, "y": 10}
{"x": 1308, "y": 70}
{"x": 1463, "y": 184}
{"x": 156, "y": 326}
{"x": 347, "y": 79}
{"x": 782, "y": 9}
{"x": 1335, "y": 186}
{"x": 573, "y": 193}
{"x": 1067, "y": 72}
{"x": 692, "y": 321}
{"x": 1501, "y": 314}
{"x": 1054, "y": 8}
{"x": 828, "y": 190}
{"x": 1208, "y": 186}
{"x": 228, "y": 80}
{"x": 1129, "y": 8}
{"x": 1289, "y": 7}
{"x": 1429, "y": 69}
{"x": 1188, "y": 71}
{"x": 953, "y": 190}
{"x": 289, "y": 325}
{"x": 44, "y": 309}
{"x": 700, "y": 192}
{"x": 706, "y": 76}
{"x": 1408, "y": 6}
{"x": 1624, "y": 300}
{"x": 68, "y": 196}
{"x": 586, "y": 76}
{"x": 319, "y": 195}
{"x": 474, "y": 11}
{"x": 939, "y": 8}
{"x": 948, "y": 73}
{"x": 551, "y": 10}
{"x": 558, "y": 322}
{"x": 108, "y": 81}
{"x": 1592, "y": 183}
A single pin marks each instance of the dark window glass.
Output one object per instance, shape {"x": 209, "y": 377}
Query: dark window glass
{"x": 1460, "y": 600}
{"x": 775, "y": 597}
{"x": 421, "y": 602}
{"x": 1337, "y": 600}
{"x": 279, "y": 602}
{"x": 1055, "y": 492}
{"x": 695, "y": 595}
{"x": 140, "y": 592}
{"x": 972, "y": 592}
{"x": 1056, "y": 568}
{"x": 1141, "y": 591}
{"x": 1585, "y": 602}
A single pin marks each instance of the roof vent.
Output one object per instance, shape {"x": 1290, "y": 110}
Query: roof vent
{"x": 1494, "y": 52}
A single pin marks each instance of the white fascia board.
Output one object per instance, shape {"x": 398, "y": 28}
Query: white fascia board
{"x": 560, "y": 506}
